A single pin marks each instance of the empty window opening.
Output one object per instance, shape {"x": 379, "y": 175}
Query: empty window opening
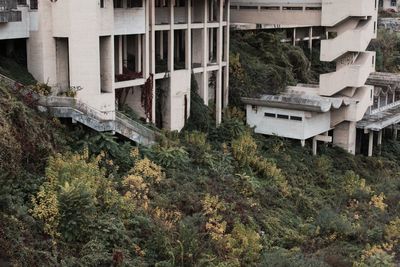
{"x": 296, "y": 118}
{"x": 118, "y": 3}
{"x": 180, "y": 49}
{"x": 162, "y": 47}
{"x": 281, "y": 116}
{"x": 270, "y": 115}
{"x": 197, "y": 48}
{"x": 270, "y": 8}
{"x": 212, "y": 45}
{"x": 106, "y": 72}
{"x": 249, "y": 7}
{"x": 315, "y": 8}
{"x": 134, "y": 3}
{"x": 295, "y": 8}
{"x": 33, "y": 4}
{"x": 128, "y": 57}
{"x": 62, "y": 60}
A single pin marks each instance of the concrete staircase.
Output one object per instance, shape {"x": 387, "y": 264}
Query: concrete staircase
{"x": 101, "y": 121}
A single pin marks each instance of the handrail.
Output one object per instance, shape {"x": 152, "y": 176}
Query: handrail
{"x": 69, "y": 102}
{"x": 60, "y": 101}
{"x": 136, "y": 125}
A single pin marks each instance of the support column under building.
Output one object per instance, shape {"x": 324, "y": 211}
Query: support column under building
{"x": 370, "y": 143}
{"x": 344, "y": 136}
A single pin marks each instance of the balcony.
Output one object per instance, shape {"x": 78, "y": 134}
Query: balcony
{"x": 335, "y": 11}
{"x": 10, "y": 16}
{"x": 9, "y": 12}
{"x": 351, "y": 75}
{"x": 351, "y": 40}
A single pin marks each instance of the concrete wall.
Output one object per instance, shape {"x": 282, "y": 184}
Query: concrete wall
{"x": 312, "y": 123}
{"x": 129, "y": 21}
{"x": 387, "y": 5}
{"x": 18, "y": 29}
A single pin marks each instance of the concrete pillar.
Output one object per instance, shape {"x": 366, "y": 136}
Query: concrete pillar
{"x": 139, "y": 53}
{"x": 344, "y": 136}
{"x": 125, "y": 50}
{"x": 303, "y": 143}
{"x": 204, "y": 92}
{"x": 379, "y": 143}
{"x": 171, "y": 38}
{"x": 120, "y": 55}
{"x": 314, "y": 146}
{"x": 380, "y": 138}
{"x": 395, "y": 133}
{"x": 227, "y": 40}
{"x": 294, "y": 36}
{"x": 188, "y": 37}
{"x": 370, "y": 143}
{"x": 220, "y": 38}
{"x": 151, "y": 18}
{"x": 310, "y": 42}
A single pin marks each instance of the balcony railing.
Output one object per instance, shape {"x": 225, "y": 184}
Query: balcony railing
{"x": 10, "y": 16}
{"x": 7, "y": 5}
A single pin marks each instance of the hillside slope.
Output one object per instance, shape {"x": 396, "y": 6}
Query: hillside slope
{"x": 71, "y": 197}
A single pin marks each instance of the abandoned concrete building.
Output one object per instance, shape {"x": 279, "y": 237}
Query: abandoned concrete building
{"x": 144, "y": 54}
{"x": 339, "y": 108}
{"x": 114, "y": 49}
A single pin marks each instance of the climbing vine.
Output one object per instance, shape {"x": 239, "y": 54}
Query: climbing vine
{"x": 147, "y": 97}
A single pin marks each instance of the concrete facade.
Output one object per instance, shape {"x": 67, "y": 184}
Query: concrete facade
{"x": 389, "y": 5}
{"x": 349, "y": 27}
{"x": 112, "y": 49}
{"x": 118, "y": 52}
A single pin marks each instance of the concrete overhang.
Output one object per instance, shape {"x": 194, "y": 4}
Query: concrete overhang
{"x": 384, "y": 79}
{"x": 304, "y": 102}
{"x": 380, "y": 120}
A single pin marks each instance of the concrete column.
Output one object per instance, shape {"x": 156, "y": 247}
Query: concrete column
{"x": 344, "y": 136}
{"x": 294, "y": 36}
{"x": 204, "y": 92}
{"x": 171, "y": 38}
{"x": 314, "y": 146}
{"x": 151, "y": 18}
{"x": 380, "y": 138}
{"x": 380, "y": 133}
{"x": 220, "y": 38}
{"x": 227, "y": 40}
{"x": 395, "y": 133}
{"x": 303, "y": 143}
{"x": 188, "y": 38}
{"x": 370, "y": 143}
{"x": 125, "y": 50}
{"x": 310, "y": 42}
{"x": 120, "y": 56}
{"x": 139, "y": 53}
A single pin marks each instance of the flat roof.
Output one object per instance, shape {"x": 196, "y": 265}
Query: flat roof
{"x": 380, "y": 120}
{"x": 303, "y": 102}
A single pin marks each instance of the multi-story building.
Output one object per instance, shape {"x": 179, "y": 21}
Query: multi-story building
{"x": 119, "y": 45}
{"x": 118, "y": 52}
{"x": 388, "y": 5}
{"x": 145, "y": 53}
{"x": 342, "y": 97}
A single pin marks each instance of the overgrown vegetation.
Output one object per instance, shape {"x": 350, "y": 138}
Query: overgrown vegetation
{"x": 225, "y": 197}
{"x": 15, "y": 71}
{"x": 209, "y": 196}
{"x": 386, "y": 45}
{"x": 261, "y": 64}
